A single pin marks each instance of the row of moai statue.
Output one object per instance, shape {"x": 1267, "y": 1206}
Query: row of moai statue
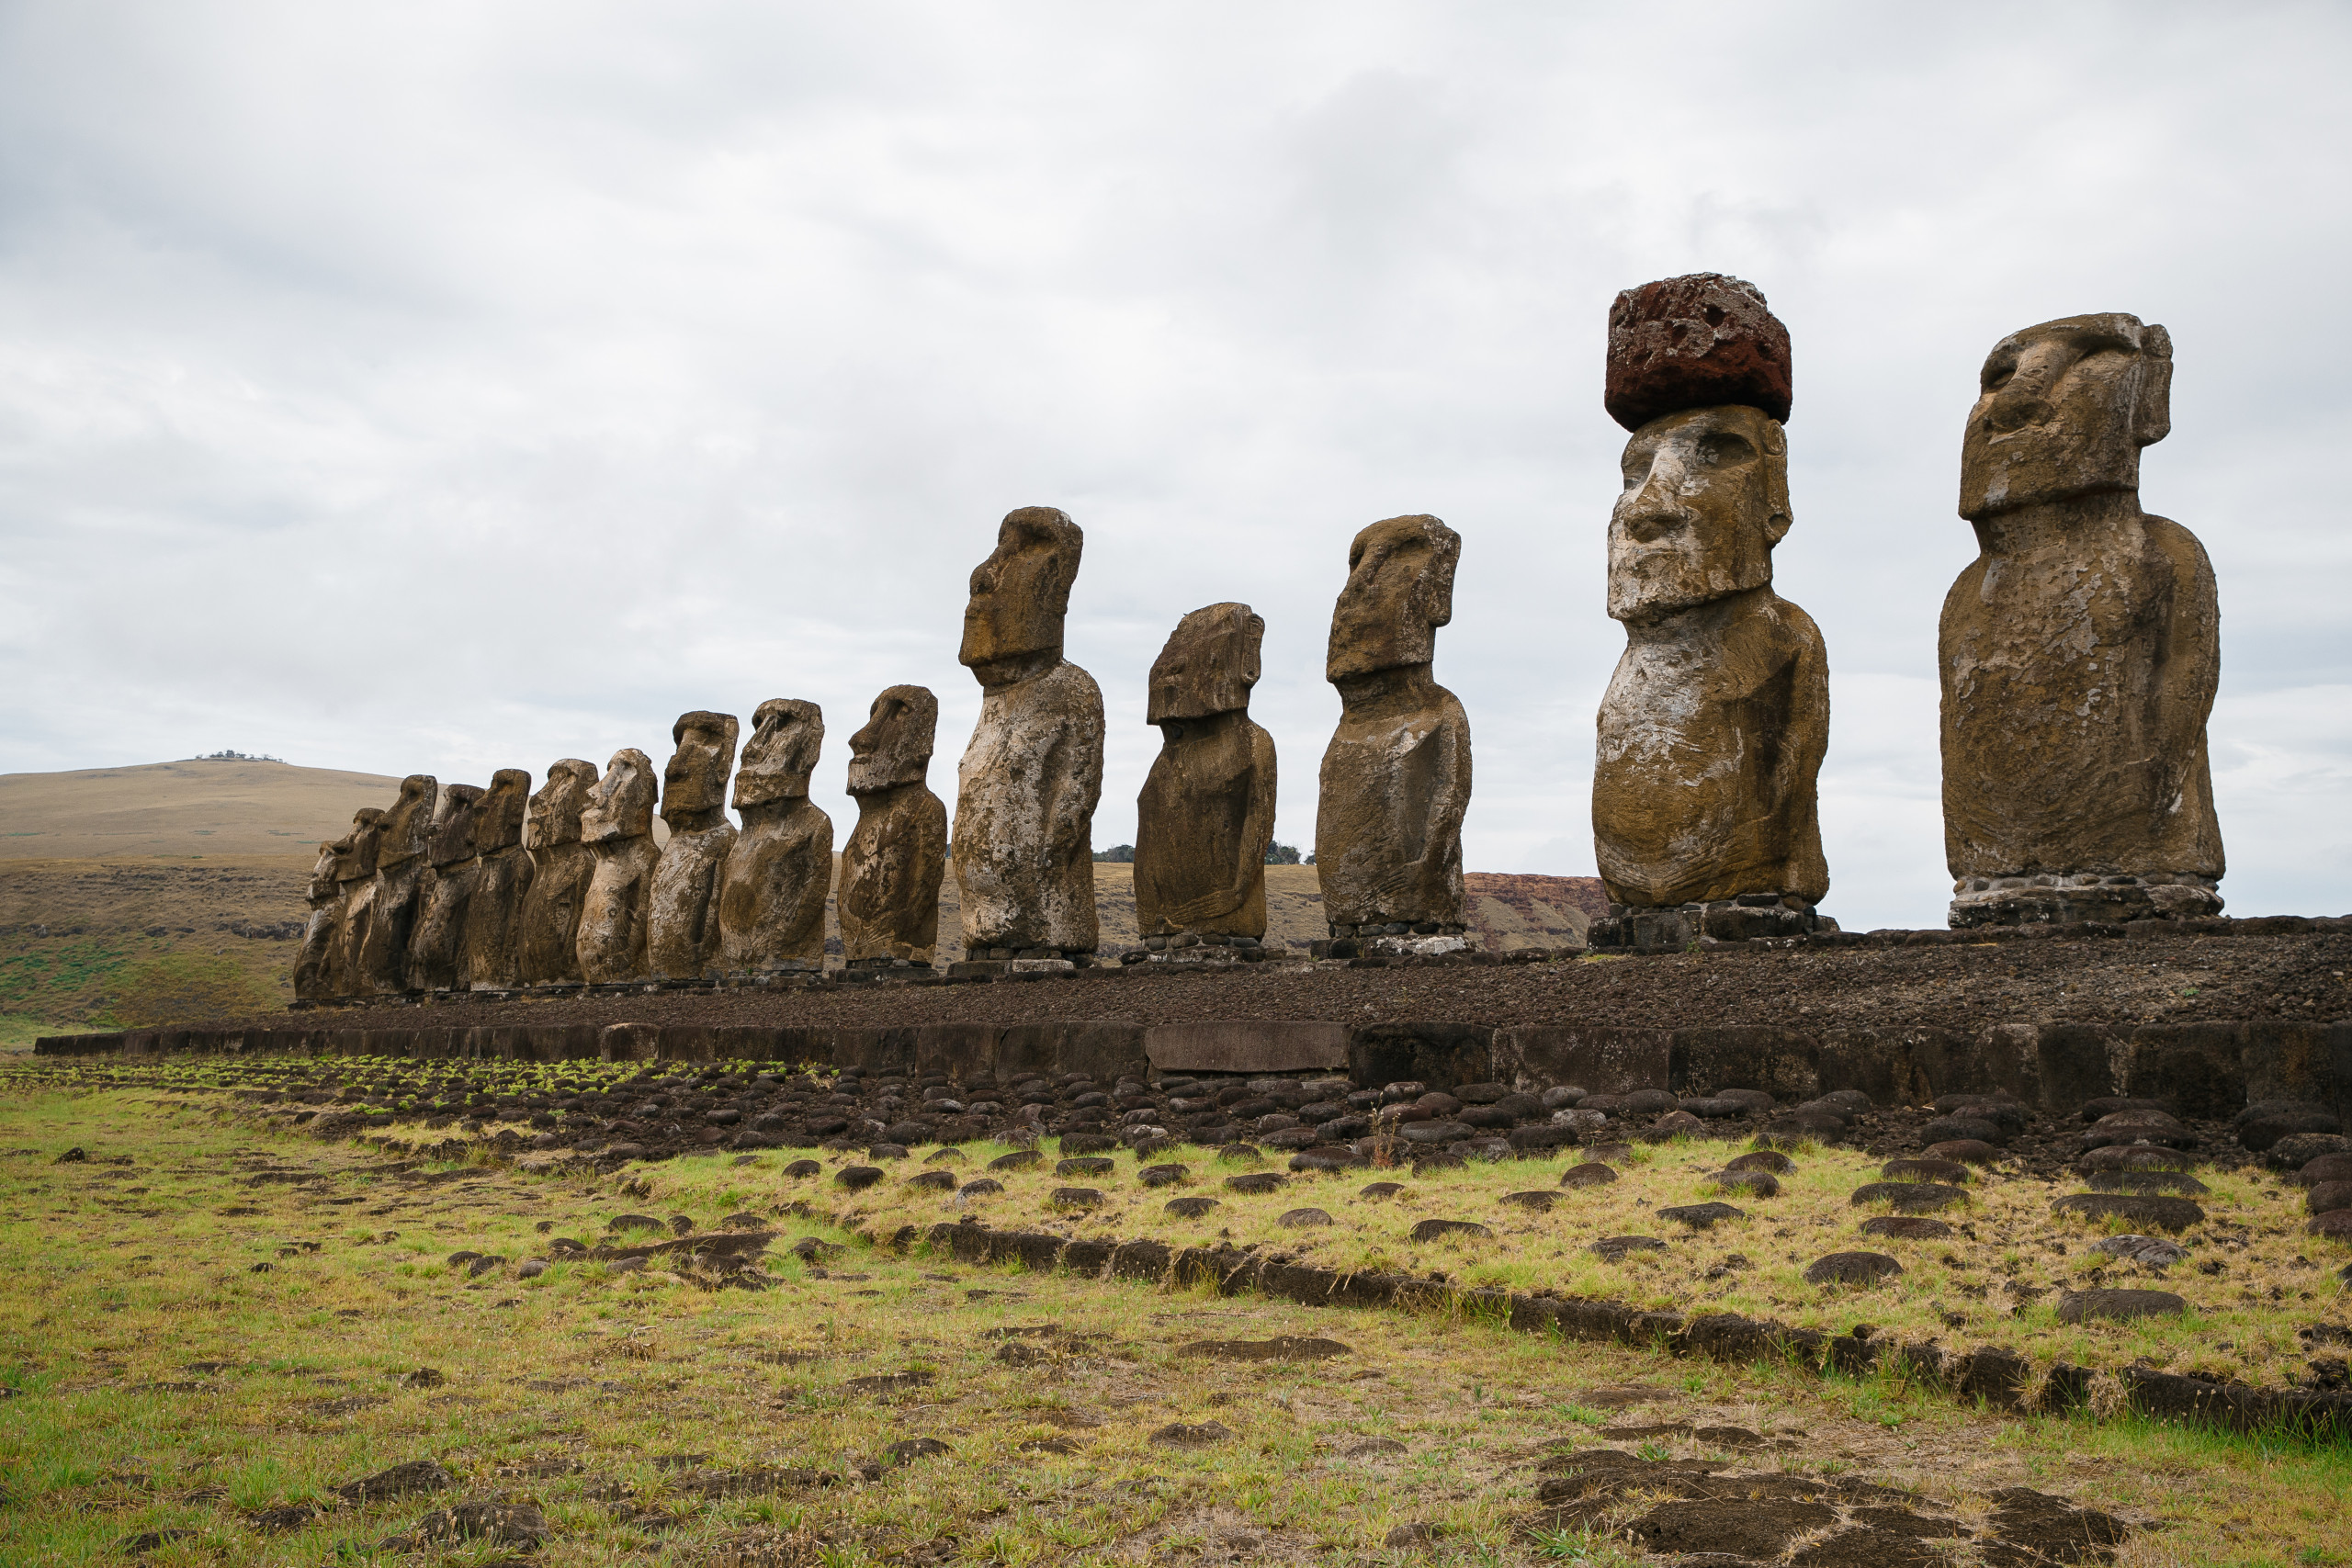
{"x": 2079, "y": 655}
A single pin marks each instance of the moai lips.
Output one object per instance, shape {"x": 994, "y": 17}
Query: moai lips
{"x": 682, "y": 942}
{"x": 780, "y": 867}
{"x": 617, "y": 827}
{"x": 402, "y": 838}
{"x": 1031, "y": 776}
{"x": 491, "y": 958}
{"x": 2079, "y": 653}
{"x": 561, "y": 868}
{"x": 1395, "y": 779}
{"x": 1206, "y": 812}
{"x": 897, "y": 856}
{"x": 1716, "y": 718}
{"x": 434, "y": 946}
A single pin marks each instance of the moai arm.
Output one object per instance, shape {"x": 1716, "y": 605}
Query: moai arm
{"x": 2190, "y": 659}
{"x": 1074, "y": 767}
{"x": 1803, "y": 747}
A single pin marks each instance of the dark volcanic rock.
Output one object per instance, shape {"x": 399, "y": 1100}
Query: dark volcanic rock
{"x": 1949, "y": 1171}
{"x": 1302, "y": 1219}
{"x": 400, "y": 1480}
{"x": 1701, "y": 1216}
{"x": 1612, "y": 1248}
{"x": 1773, "y": 1160}
{"x": 1591, "y": 1174}
{"x": 1282, "y": 1348}
{"x": 1910, "y": 1197}
{"x": 1438, "y": 1230}
{"x": 1189, "y": 1208}
{"x": 2156, "y": 1214}
{"x": 1694, "y": 342}
{"x": 1734, "y": 1527}
{"x": 857, "y": 1178}
{"x": 1851, "y": 1269}
{"x": 2084, "y": 1306}
{"x": 1906, "y": 1227}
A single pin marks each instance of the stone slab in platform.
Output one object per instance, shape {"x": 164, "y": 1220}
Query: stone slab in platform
{"x": 1246, "y": 1047}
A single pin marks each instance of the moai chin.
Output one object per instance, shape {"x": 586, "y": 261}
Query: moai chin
{"x": 435, "y": 943}
{"x": 403, "y": 840}
{"x": 779, "y": 869}
{"x": 616, "y": 824}
{"x": 682, "y": 942}
{"x": 897, "y": 856}
{"x": 355, "y": 878}
{"x": 1714, "y": 722}
{"x": 491, "y": 957}
{"x": 1031, "y": 776}
{"x": 562, "y": 867}
{"x": 2080, "y": 651}
{"x": 1206, "y": 811}
{"x": 1395, "y": 778}
{"x": 313, "y": 963}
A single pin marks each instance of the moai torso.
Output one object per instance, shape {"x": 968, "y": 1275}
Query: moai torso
{"x": 617, "y": 827}
{"x": 681, "y": 941}
{"x": 561, "y": 868}
{"x": 779, "y": 869}
{"x": 355, "y": 873}
{"x": 1395, "y": 778}
{"x": 897, "y": 856}
{"x": 401, "y": 843}
{"x": 1206, "y": 811}
{"x": 448, "y": 885}
{"x": 1028, "y": 784}
{"x": 491, "y": 958}
{"x": 2081, "y": 649}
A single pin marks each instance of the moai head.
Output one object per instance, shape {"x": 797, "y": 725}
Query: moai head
{"x": 355, "y": 852}
{"x": 1400, "y": 591}
{"x": 498, "y": 817}
{"x": 1208, "y": 666}
{"x": 1706, "y": 497}
{"x": 621, "y": 806}
{"x": 1021, "y": 592}
{"x": 453, "y": 824}
{"x": 322, "y": 876}
{"x": 555, "y": 810}
{"x": 894, "y": 747}
{"x": 786, "y": 734}
{"x": 407, "y": 828}
{"x": 694, "y": 783}
{"x": 2063, "y": 410}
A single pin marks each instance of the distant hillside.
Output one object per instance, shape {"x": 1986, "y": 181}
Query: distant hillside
{"x": 179, "y": 809}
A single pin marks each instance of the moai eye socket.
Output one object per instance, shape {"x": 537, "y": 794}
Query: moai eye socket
{"x": 1722, "y": 449}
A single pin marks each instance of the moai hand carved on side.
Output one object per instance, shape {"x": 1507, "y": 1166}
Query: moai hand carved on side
{"x": 434, "y": 945}
{"x": 683, "y": 942}
{"x": 770, "y": 910}
{"x": 1395, "y": 778}
{"x": 617, "y": 827}
{"x": 2080, "y": 651}
{"x": 354, "y": 877}
{"x": 1715, "y": 721}
{"x": 897, "y": 856}
{"x": 315, "y": 962}
{"x": 402, "y": 837}
{"x": 1206, "y": 812}
{"x": 492, "y": 957}
{"x": 561, "y": 868}
{"x": 1029, "y": 780}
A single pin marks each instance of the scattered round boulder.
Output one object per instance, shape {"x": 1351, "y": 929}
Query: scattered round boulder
{"x": 2132, "y": 1156}
{"x": 2298, "y": 1150}
{"x": 1649, "y": 1102}
{"x": 1674, "y": 1125}
{"x": 1428, "y": 1133}
{"x": 1592, "y": 1173}
{"x": 2326, "y": 1167}
{"x": 2146, "y": 1182}
{"x": 1910, "y": 1197}
{"x": 1162, "y": 1175}
{"x": 800, "y": 1170}
{"x": 979, "y": 1186}
{"x": 1949, "y": 1129}
{"x": 2153, "y": 1251}
{"x": 934, "y": 1181}
{"x": 2336, "y": 1225}
{"x": 1610, "y": 1154}
{"x": 1191, "y": 1208}
{"x": 2108, "y": 1105}
{"x": 1439, "y": 1230}
{"x": 1019, "y": 1159}
{"x": 1093, "y": 1165}
{"x": 2119, "y": 1306}
{"x": 1760, "y": 1183}
{"x": 1540, "y": 1202}
{"x": 1302, "y": 1218}
{"x": 1966, "y": 1151}
{"x": 1613, "y": 1248}
{"x": 2327, "y": 1197}
{"x": 1241, "y": 1154}
{"x": 1949, "y": 1171}
{"x": 2157, "y": 1213}
{"x": 1075, "y": 1197}
{"x": 1851, "y": 1269}
{"x": 1907, "y": 1227}
{"x": 1257, "y": 1182}
{"x": 1701, "y": 1216}
{"x": 1773, "y": 1160}
{"x": 1379, "y": 1191}
{"x": 857, "y": 1178}
{"x": 2264, "y": 1131}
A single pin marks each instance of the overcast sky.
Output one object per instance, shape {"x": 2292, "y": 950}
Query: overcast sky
{"x": 441, "y": 388}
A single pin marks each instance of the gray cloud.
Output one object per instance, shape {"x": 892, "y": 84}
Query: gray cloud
{"x": 448, "y": 387}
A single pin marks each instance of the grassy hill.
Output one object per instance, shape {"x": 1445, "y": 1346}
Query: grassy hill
{"x": 203, "y": 809}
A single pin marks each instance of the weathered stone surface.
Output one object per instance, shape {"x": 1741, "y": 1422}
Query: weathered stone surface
{"x": 1245, "y": 1045}
{"x": 2086, "y": 1307}
{"x": 897, "y": 856}
{"x": 1206, "y": 812}
{"x": 315, "y": 962}
{"x": 1851, "y": 1269}
{"x": 492, "y": 958}
{"x": 445, "y": 890}
{"x": 2079, "y": 652}
{"x": 682, "y": 939}
{"x": 355, "y": 874}
{"x": 1697, "y": 341}
{"x": 1031, "y": 776}
{"x": 402, "y": 839}
{"x": 1395, "y": 779}
{"x": 1715, "y": 721}
{"x": 770, "y": 910}
{"x": 616, "y": 824}
{"x": 561, "y": 868}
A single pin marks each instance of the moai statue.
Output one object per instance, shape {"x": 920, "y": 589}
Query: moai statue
{"x": 2080, "y": 651}
{"x": 1714, "y": 722}
{"x": 440, "y": 931}
{"x": 403, "y": 840}
{"x": 779, "y": 869}
{"x": 315, "y": 962}
{"x": 1395, "y": 778}
{"x": 682, "y": 943}
{"x": 617, "y": 827}
{"x": 561, "y": 866}
{"x": 896, "y": 854}
{"x": 492, "y": 958}
{"x": 354, "y": 880}
{"x": 1027, "y": 786}
{"x": 1206, "y": 812}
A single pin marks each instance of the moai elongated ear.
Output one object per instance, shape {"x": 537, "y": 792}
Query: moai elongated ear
{"x": 1778, "y": 521}
{"x": 1437, "y": 586}
{"x": 2152, "y": 412}
{"x": 1253, "y": 642}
